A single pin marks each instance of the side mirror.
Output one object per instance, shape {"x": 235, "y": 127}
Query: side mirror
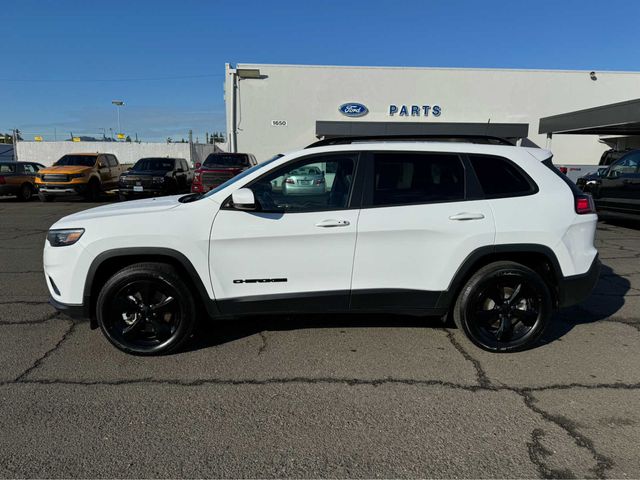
{"x": 243, "y": 199}
{"x": 198, "y": 164}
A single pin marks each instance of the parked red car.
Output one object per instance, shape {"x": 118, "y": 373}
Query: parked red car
{"x": 218, "y": 168}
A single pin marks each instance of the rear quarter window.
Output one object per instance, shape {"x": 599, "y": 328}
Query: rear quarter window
{"x": 500, "y": 177}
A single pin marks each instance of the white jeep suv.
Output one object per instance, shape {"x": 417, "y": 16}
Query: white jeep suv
{"x": 490, "y": 234}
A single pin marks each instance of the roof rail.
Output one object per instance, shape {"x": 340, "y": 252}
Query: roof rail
{"x": 485, "y": 139}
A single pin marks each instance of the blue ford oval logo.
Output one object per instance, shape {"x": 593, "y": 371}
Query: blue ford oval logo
{"x": 353, "y": 109}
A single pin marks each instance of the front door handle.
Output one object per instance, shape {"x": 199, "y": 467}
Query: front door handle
{"x": 333, "y": 223}
{"x": 467, "y": 216}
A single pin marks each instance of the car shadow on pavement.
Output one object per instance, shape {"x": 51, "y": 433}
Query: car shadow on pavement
{"x": 607, "y": 298}
{"x": 214, "y": 333}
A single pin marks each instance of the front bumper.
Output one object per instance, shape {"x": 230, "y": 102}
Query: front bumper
{"x": 576, "y": 288}
{"x": 62, "y": 189}
{"x": 153, "y": 190}
{"x": 78, "y": 312}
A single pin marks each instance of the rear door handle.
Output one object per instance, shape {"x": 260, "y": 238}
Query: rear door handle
{"x": 333, "y": 223}
{"x": 466, "y": 216}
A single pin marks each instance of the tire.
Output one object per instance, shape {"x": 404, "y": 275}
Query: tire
{"x": 93, "y": 191}
{"x": 45, "y": 198}
{"x": 26, "y": 192}
{"x": 504, "y": 307}
{"x": 132, "y": 303}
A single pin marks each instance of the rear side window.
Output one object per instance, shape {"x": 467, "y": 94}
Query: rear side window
{"x": 6, "y": 168}
{"x": 499, "y": 177}
{"x": 414, "y": 178}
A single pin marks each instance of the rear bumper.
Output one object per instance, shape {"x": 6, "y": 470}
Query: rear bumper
{"x": 9, "y": 189}
{"x": 574, "y": 289}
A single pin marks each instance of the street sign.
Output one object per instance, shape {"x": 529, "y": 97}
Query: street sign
{"x": 76, "y": 139}
{"x": 121, "y": 136}
{"x": 37, "y": 138}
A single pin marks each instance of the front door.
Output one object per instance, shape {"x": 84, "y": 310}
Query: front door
{"x": 296, "y": 252}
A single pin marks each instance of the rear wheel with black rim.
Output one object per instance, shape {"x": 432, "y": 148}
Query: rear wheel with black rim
{"x": 504, "y": 307}
{"x": 26, "y": 192}
{"x": 146, "y": 309}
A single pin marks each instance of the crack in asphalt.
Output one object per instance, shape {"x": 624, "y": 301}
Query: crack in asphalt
{"x": 537, "y": 454}
{"x": 51, "y": 316}
{"x": 603, "y": 463}
{"x": 263, "y": 346}
{"x": 481, "y": 375}
{"x": 41, "y": 359}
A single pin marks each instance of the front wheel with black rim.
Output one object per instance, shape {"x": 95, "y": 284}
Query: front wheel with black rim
{"x": 146, "y": 309}
{"x": 504, "y": 307}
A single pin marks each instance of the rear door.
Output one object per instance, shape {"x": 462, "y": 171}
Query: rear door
{"x": 419, "y": 220}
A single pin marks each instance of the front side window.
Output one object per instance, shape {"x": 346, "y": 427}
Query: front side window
{"x": 320, "y": 182}
{"x": 29, "y": 168}
{"x": 414, "y": 178}
{"x": 112, "y": 161}
{"x": 627, "y": 164}
{"x": 499, "y": 177}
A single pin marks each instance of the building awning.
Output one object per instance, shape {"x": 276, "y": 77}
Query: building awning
{"x": 621, "y": 118}
{"x": 331, "y": 129}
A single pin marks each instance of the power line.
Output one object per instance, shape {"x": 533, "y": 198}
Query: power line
{"x": 103, "y": 80}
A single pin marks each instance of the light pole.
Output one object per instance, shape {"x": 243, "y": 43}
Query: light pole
{"x": 118, "y": 104}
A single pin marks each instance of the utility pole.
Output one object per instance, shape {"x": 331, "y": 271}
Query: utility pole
{"x": 15, "y": 144}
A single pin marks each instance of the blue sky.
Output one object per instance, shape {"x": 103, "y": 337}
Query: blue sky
{"x": 64, "y": 61}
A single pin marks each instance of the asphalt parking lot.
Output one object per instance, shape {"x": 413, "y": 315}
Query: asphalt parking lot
{"x": 339, "y": 396}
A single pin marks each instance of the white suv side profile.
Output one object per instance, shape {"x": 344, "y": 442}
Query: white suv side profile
{"x": 490, "y": 234}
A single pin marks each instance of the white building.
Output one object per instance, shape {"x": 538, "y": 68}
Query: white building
{"x": 277, "y": 108}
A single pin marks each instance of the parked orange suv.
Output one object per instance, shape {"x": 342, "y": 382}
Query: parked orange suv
{"x": 86, "y": 174}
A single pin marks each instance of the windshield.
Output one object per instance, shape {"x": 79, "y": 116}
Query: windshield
{"x": 249, "y": 171}
{"x": 226, "y": 160}
{"x": 165, "y": 164}
{"x": 77, "y": 160}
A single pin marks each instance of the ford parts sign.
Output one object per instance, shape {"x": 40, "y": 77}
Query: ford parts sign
{"x": 353, "y": 109}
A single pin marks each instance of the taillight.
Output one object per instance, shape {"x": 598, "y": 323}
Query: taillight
{"x": 563, "y": 170}
{"x": 320, "y": 181}
{"x": 197, "y": 177}
{"x": 2, "y": 180}
{"x": 584, "y": 204}
{"x": 290, "y": 181}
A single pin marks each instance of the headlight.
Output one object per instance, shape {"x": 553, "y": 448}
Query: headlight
{"x": 65, "y": 237}
{"x": 76, "y": 175}
{"x": 157, "y": 179}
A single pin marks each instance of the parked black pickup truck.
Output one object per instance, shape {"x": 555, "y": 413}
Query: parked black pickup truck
{"x": 156, "y": 176}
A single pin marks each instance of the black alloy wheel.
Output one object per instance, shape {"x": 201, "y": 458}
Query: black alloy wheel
{"x": 146, "y": 309}
{"x": 504, "y": 307}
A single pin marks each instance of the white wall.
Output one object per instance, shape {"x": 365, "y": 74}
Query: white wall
{"x": 300, "y": 95}
{"x": 127, "y": 153}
